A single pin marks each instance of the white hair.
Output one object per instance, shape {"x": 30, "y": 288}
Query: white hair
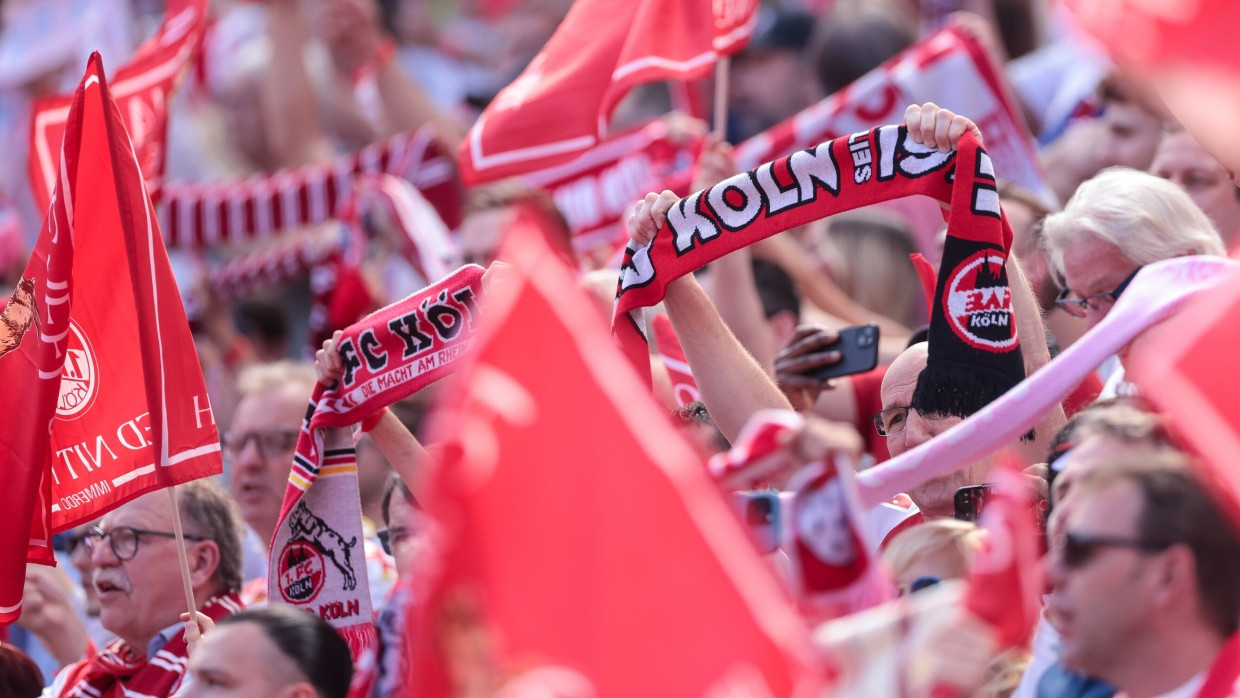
{"x": 1146, "y": 218}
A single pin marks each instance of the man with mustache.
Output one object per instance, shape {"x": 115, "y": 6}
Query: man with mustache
{"x": 137, "y": 577}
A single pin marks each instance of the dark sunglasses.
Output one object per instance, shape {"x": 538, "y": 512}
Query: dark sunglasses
{"x": 1076, "y": 549}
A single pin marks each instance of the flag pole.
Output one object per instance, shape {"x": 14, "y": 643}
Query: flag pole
{"x": 180, "y": 536}
{"x": 721, "y": 97}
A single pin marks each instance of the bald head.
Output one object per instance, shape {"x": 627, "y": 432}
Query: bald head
{"x": 936, "y": 497}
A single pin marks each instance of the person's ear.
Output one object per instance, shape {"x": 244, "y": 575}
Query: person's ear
{"x": 1176, "y": 575}
{"x": 204, "y": 560}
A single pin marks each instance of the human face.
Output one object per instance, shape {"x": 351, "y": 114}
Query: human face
{"x": 255, "y": 481}
{"x": 1130, "y": 136}
{"x": 238, "y": 660}
{"x": 768, "y": 86}
{"x": 935, "y": 497}
{"x": 143, "y": 595}
{"x": 1081, "y": 460}
{"x": 1180, "y": 159}
{"x": 481, "y": 233}
{"x": 1097, "y": 607}
{"x": 80, "y": 558}
{"x": 1091, "y": 266}
{"x": 822, "y": 522}
{"x": 404, "y": 534}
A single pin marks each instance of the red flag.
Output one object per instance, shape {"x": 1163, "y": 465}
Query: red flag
{"x": 132, "y": 413}
{"x": 560, "y": 105}
{"x": 1184, "y": 50}
{"x": 1185, "y": 367}
{"x": 1005, "y": 581}
{"x": 141, "y": 89}
{"x": 836, "y": 569}
{"x": 578, "y": 541}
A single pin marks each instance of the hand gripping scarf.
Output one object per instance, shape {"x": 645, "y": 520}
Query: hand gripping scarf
{"x": 316, "y": 555}
{"x": 974, "y": 352}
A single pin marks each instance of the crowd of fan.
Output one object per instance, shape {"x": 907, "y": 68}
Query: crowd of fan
{"x": 1142, "y": 563}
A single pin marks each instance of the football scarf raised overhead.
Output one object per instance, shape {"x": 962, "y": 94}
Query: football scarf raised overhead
{"x": 842, "y": 174}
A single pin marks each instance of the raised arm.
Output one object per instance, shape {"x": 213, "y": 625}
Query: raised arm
{"x": 732, "y": 384}
{"x": 399, "y": 446}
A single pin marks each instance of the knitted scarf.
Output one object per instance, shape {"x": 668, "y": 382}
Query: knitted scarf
{"x": 316, "y": 556}
{"x": 117, "y": 670}
{"x": 839, "y": 175}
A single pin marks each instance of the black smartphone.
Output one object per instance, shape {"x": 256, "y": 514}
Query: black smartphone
{"x": 858, "y": 348}
{"x": 970, "y": 500}
{"x": 760, "y": 512}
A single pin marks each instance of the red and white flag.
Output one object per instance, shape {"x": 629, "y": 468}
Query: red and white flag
{"x": 560, "y": 105}
{"x": 1005, "y": 581}
{"x": 1185, "y": 367}
{"x": 141, "y": 88}
{"x": 578, "y": 546}
{"x": 105, "y": 396}
{"x": 836, "y": 570}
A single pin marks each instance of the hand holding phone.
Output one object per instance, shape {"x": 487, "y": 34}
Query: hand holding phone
{"x": 969, "y": 502}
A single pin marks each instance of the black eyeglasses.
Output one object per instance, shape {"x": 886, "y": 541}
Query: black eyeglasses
{"x": 893, "y": 419}
{"x": 124, "y": 539}
{"x": 1077, "y": 549}
{"x": 1077, "y": 307}
{"x": 271, "y": 443}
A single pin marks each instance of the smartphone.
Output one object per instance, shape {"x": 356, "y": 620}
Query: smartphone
{"x": 970, "y": 500}
{"x": 858, "y": 348}
{"x": 761, "y": 513}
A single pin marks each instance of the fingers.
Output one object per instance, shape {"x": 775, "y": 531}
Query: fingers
{"x": 807, "y": 339}
{"x": 650, "y": 215}
{"x": 328, "y": 364}
{"x": 929, "y": 114}
{"x": 934, "y": 127}
{"x": 807, "y": 363}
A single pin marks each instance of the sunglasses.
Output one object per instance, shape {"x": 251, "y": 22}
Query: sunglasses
{"x": 1076, "y": 549}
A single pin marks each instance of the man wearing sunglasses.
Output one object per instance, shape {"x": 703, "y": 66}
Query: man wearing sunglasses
{"x": 137, "y": 575}
{"x": 1144, "y": 574}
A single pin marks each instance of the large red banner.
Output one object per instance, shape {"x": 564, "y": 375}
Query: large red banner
{"x": 141, "y": 89}
{"x": 104, "y": 395}
{"x": 578, "y": 543}
{"x": 560, "y": 106}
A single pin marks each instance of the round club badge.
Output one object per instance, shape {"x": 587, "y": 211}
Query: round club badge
{"x": 979, "y": 303}
{"x": 79, "y": 379}
{"x": 301, "y": 572}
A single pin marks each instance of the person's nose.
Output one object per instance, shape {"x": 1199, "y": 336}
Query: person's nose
{"x": 918, "y": 429}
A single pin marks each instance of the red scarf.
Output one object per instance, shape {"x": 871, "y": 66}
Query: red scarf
{"x": 839, "y": 175}
{"x": 316, "y": 558}
{"x": 118, "y": 670}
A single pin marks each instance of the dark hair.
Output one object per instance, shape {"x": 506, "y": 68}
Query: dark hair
{"x": 19, "y": 675}
{"x": 776, "y": 289}
{"x": 313, "y": 645}
{"x": 394, "y": 483}
{"x": 695, "y": 414}
{"x": 850, "y": 43}
{"x": 1177, "y": 508}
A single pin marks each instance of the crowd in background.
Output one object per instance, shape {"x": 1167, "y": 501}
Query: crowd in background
{"x": 286, "y": 83}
